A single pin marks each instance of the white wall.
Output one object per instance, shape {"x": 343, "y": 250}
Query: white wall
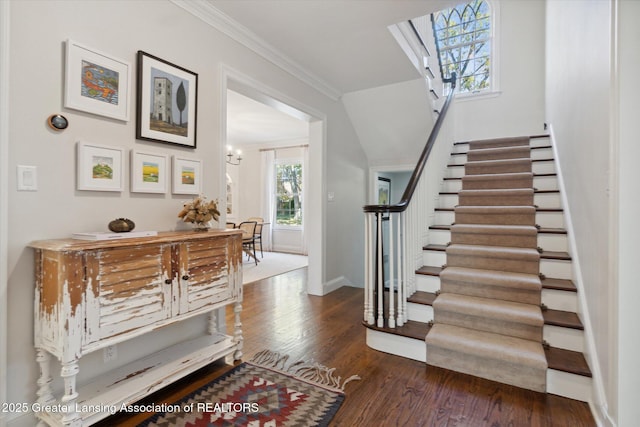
{"x": 519, "y": 107}
{"x": 578, "y": 92}
{"x": 627, "y": 352}
{"x": 393, "y": 122}
{"x": 57, "y": 209}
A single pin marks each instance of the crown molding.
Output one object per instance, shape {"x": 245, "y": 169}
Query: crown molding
{"x": 205, "y": 11}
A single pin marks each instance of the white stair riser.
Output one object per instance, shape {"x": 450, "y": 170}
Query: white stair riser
{"x": 419, "y": 312}
{"x": 543, "y": 219}
{"x": 426, "y": 283}
{"x": 434, "y": 258}
{"x": 543, "y": 167}
{"x": 566, "y": 338}
{"x": 539, "y": 182}
{"x": 557, "y": 269}
{"x": 547, "y": 241}
{"x": 541, "y": 153}
{"x": 542, "y": 200}
{"x": 395, "y": 344}
{"x": 569, "y": 385}
{"x": 560, "y": 300}
{"x": 553, "y": 242}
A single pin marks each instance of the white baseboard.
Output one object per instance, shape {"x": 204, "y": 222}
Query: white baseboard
{"x": 336, "y": 283}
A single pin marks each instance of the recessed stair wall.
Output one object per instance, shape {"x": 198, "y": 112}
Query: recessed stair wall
{"x": 546, "y": 304}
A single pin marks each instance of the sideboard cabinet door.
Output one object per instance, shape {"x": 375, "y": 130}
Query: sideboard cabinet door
{"x": 128, "y": 288}
{"x": 203, "y": 273}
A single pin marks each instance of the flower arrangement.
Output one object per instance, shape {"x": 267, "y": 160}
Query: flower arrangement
{"x": 200, "y": 211}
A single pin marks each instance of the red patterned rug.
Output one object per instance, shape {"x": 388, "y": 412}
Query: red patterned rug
{"x": 262, "y": 392}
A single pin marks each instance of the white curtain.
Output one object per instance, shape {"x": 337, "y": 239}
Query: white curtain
{"x": 268, "y": 190}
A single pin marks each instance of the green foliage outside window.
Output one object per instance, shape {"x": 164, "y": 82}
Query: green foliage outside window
{"x": 289, "y": 194}
{"x": 463, "y": 35}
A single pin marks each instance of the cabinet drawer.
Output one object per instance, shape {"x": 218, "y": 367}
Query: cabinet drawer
{"x": 128, "y": 288}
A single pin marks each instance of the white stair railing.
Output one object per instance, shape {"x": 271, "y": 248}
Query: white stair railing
{"x": 408, "y": 225}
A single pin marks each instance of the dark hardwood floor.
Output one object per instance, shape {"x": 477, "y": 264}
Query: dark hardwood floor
{"x": 280, "y": 316}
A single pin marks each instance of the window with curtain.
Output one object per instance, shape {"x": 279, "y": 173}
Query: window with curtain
{"x": 463, "y": 36}
{"x": 288, "y": 193}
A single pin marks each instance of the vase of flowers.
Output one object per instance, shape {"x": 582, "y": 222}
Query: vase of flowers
{"x": 200, "y": 212}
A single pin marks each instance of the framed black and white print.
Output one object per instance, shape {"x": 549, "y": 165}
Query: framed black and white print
{"x": 96, "y": 82}
{"x": 167, "y": 102}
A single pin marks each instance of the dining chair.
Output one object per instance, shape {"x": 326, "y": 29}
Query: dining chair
{"x": 249, "y": 238}
{"x": 258, "y": 234}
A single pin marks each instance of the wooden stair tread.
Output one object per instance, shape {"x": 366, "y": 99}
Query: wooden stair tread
{"x": 558, "y": 284}
{"x": 456, "y": 193}
{"x": 542, "y": 147}
{"x": 411, "y": 329}
{"x": 546, "y": 230}
{"x": 547, "y": 283}
{"x": 567, "y": 361}
{"x": 423, "y": 298}
{"x": 537, "y": 209}
{"x": 535, "y": 175}
{"x": 565, "y": 319}
{"x": 557, "y": 358}
{"x": 455, "y": 165}
{"x": 427, "y": 270}
{"x": 562, "y": 256}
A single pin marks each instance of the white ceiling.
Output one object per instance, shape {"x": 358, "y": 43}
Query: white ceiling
{"x": 343, "y": 44}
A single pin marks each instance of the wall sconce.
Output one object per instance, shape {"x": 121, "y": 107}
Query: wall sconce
{"x": 230, "y": 156}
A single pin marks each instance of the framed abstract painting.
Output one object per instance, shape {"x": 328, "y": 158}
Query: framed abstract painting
{"x": 167, "y": 102}
{"x": 96, "y": 82}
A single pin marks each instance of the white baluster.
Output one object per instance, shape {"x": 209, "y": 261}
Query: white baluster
{"x": 380, "y": 275}
{"x": 368, "y": 317}
{"x": 45, "y": 394}
{"x": 401, "y": 297}
{"x": 392, "y": 312}
{"x": 237, "y": 331}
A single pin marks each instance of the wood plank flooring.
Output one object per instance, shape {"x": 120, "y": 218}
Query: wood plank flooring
{"x": 279, "y": 315}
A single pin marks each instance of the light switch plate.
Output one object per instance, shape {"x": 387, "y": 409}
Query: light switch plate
{"x": 27, "y": 178}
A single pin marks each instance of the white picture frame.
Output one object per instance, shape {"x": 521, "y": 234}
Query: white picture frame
{"x": 96, "y": 82}
{"x": 187, "y": 175}
{"x": 99, "y": 167}
{"x": 149, "y": 172}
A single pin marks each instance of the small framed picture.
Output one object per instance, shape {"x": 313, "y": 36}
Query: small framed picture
{"x": 384, "y": 193}
{"x": 187, "y": 176}
{"x": 149, "y": 172}
{"x": 99, "y": 167}
{"x": 167, "y": 102}
{"x": 96, "y": 83}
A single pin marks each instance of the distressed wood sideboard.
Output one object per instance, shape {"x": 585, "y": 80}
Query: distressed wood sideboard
{"x": 93, "y": 294}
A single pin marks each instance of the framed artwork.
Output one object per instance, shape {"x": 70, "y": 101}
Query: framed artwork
{"x": 99, "y": 167}
{"x": 384, "y": 192}
{"x": 187, "y": 176}
{"x": 149, "y": 172}
{"x": 96, "y": 83}
{"x": 167, "y": 102}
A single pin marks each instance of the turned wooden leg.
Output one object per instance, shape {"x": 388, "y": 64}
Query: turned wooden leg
{"x": 237, "y": 335}
{"x": 69, "y": 372}
{"x": 45, "y": 394}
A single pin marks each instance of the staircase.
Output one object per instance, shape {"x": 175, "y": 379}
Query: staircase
{"x": 496, "y": 277}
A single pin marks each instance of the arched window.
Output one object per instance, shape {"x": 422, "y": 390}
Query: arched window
{"x": 463, "y": 37}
